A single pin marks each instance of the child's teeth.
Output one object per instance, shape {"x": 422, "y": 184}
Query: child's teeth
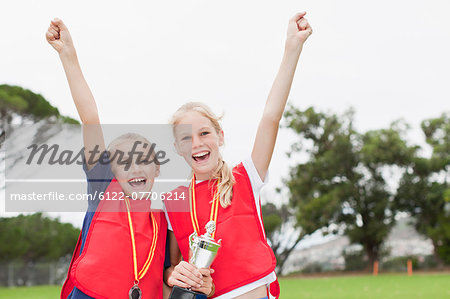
{"x": 200, "y": 154}
{"x": 136, "y": 180}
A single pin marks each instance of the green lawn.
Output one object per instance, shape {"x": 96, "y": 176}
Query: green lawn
{"x": 39, "y": 292}
{"x": 383, "y": 286}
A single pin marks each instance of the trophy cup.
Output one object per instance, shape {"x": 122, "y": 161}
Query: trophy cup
{"x": 204, "y": 250}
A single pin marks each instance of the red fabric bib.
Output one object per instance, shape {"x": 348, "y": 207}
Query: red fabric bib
{"x": 244, "y": 256}
{"x": 105, "y": 267}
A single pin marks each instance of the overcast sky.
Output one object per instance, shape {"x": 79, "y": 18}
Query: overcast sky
{"x": 143, "y": 59}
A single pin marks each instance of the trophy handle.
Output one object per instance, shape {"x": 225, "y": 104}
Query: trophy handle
{"x": 192, "y": 247}
{"x": 192, "y": 239}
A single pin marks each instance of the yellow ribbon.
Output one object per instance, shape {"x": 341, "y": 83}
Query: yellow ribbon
{"x": 193, "y": 206}
{"x": 144, "y": 270}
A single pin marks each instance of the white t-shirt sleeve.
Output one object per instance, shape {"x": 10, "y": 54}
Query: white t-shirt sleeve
{"x": 255, "y": 180}
{"x": 169, "y": 226}
{"x": 257, "y": 184}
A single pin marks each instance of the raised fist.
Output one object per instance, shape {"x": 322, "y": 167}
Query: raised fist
{"x": 298, "y": 30}
{"x": 58, "y": 36}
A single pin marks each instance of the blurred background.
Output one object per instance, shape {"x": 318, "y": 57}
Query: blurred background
{"x": 359, "y": 180}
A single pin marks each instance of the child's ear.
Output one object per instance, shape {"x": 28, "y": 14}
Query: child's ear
{"x": 221, "y": 138}
{"x": 157, "y": 171}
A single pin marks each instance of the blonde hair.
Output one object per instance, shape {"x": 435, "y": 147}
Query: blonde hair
{"x": 126, "y": 137}
{"x": 112, "y": 147}
{"x": 223, "y": 172}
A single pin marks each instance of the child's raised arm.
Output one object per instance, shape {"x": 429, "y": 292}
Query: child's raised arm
{"x": 59, "y": 38}
{"x": 298, "y": 31}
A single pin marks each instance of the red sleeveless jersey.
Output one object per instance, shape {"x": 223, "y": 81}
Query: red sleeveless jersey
{"x": 244, "y": 255}
{"x": 105, "y": 267}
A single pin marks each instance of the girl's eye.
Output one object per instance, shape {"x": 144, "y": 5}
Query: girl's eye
{"x": 186, "y": 138}
{"x": 204, "y": 133}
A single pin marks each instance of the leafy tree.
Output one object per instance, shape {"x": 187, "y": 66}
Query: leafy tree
{"x": 22, "y": 106}
{"x": 424, "y": 189}
{"x": 273, "y": 219}
{"x": 27, "y": 106}
{"x": 12, "y": 241}
{"x": 35, "y": 237}
{"x": 32, "y": 238}
{"x": 278, "y": 224}
{"x": 342, "y": 186}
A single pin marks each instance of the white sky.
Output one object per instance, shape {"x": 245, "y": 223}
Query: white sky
{"x": 143, "y": 59}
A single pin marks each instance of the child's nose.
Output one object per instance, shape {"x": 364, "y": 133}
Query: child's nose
{"x": 135, "y": 166}
{"x": 196, "y": 141}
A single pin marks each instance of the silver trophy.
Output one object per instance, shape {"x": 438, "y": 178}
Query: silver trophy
{"x": 204, "y": 248}
{"x": 203, "y": 251}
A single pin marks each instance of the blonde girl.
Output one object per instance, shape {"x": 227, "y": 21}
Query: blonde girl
{"x": 245, "y": 264}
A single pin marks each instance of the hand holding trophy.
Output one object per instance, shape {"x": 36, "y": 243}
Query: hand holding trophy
{"x": 203, "y": 252}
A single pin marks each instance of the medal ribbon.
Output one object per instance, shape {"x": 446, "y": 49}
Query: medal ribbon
{"x": 144, "y": 270}
{"x": 193, "y": 207}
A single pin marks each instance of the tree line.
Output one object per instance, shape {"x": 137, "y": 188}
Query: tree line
{"x": 35, "y": 237}
{"x": 22, "y": 106}
{"x": 31, "y": 238}
{"x": 347, "y": 183}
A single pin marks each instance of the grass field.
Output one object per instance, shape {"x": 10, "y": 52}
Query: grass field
{"x": 383, "y": 286}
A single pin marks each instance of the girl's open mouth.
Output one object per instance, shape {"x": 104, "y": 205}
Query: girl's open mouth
{"x": 137, "y": 182}
{"x": 201, "y": 156}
